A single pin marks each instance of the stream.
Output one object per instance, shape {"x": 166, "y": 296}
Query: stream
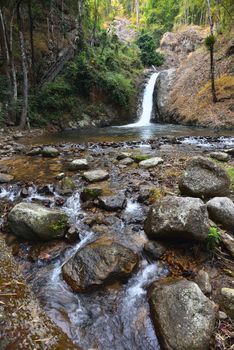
{"x": 115, "y": 317}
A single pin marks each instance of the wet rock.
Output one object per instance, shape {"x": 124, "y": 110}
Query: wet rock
{"x": 49, "y": 152}
{"x": 221, "y": 156}
{"x": 33, "y": 221}
{"x": 46, "y": 190}
{"x": 47, "y": 251}
{"x": 66, "y": 186}
{"x": 203, "y": 281}
{"x": 96, "y": 175}
{"x": 5, "y": 178}
{"x": 182, "y": 307}
{"x": 78, "y": 164}
{"x": 112, "y": 203}
{"x": 177, "y": 218}
{"x": 150, "y": 163}
{"x": 123, "y": 155}
{"x": 227, "y": 301}
{"x": 72, "y": 234}
{"x": 99, "y": 262}
{"x": 221, "y": 211}
{"x": 154, "y": 250}
{"x": 24, "y": 192}
{"x": 228, "y": 242}
{"x": 222, "y": 315}
{"x": 204, "y": 179}
{"x": 89, "y": 194}
{"x": 126, "y": 161}
{"x": 140, "y": 157}
{"x": 60, "y": 176}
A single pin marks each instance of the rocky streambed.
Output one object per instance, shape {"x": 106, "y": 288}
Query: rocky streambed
{"x": 112, "y": 238}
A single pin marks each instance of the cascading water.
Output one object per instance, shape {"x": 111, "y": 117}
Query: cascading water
{"x": 147, "y": 103}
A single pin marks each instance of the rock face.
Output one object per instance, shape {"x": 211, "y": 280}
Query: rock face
{"x": 49, "y": 152}
{"x": 150, "y": 163}
{"x": 221, "y": 211}
{"x": 183, "y": 316}
{"x": 78, "y": 164}
{"x": 5, "y": 178}
{"x": 227, "y": 301}
{"x": 33, "y": 221}
{"x": 178, "y": 218}
{"x": 99, "y": 262}
{"x": 202, "y": 178}
{"x": 112, "y": 203}
{"x": 96, "y": 175}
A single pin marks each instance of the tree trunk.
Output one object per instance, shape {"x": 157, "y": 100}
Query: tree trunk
{"x": 212, "y": 67}
{"x": 24, "y": 112}
{"x": 80, "y": 28}
{"x": 13, "y": 70}
{"x": 137, "y": 12}
{"x": 31, "y": 38}
{"x": 4, "y": 46}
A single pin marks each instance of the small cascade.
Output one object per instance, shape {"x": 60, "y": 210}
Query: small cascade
{"x": 147, "y": 103}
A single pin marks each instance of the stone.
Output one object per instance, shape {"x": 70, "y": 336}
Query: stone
{"x": 179, "y": 218}
{"x": 123, "y": 155}
{"x": 222, "y": 315}
{"x": 100, "y": 262}
{"x": 140, "y": 157}
{"x": 221, "y": 156}
{"x": 126, "y": 161}
{"x": 5, "y": 178}
{"x": 227, "y": 301}
{"x": 150, "y": 163}
{"x": 34, "y": 151}
{"x": 49, "y": 151}
{"x": 202, "y": 178}
{"x": 154, "y": 250}
{"x": 184, "y": 318}
{"x": 35, "y": 222}
{"x": 112, "y": 203}
{"x": 228, "y": 242}
{"x": 66, "y": 186}
{"x": 221, "y": 211}
{"x": 78, "y": 164}
{"x": 203, "y": 281}
{"x": 96, "y": 175}
{"x": 89, "y": 194}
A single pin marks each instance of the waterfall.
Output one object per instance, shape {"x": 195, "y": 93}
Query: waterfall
{"x": 147, "y": 103}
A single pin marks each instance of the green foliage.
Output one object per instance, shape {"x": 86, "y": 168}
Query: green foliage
{"x": 213, "y": 238}
{"x": 148, "y": 54}
{"x": 210, "y": 41}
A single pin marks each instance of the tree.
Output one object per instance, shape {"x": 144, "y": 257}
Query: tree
{"x": 210, "y": 41}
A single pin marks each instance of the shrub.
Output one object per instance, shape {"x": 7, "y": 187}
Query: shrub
{"x": 148, "y": 54}
{"x": 213, "y": 238}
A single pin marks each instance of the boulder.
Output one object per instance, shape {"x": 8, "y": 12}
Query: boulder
{"x": 123, "y": 155}
{"x": 96, "y": 175}
{"x": 227, "y": 301}
{"x": 221, "y": 156}
{"x": 112, "y": 203}
{"x": 66, "y": 186}
{"x": 150, "y": 163}
{"x": 34, "y": 151}
{"x": 177, "y": 218}
{"x": 5, "y": 178}
{"x": 183, "y": 316}
{"x": 202, "y": 178}
{"x": 100, "y": 262}
{"x": 89, "y": 194}
{"x": 228, "y": 242}
{"x": 33, "y": 221}
{"x": 78, "y": 164}
{"x": 126, "y": 161}
{"x": 221, "y": 211}
{"x": 49, "y": 151}
{"x": 203, "y": 281}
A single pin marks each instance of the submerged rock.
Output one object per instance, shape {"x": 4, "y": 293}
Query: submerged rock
{"x": 99, "y": 262}
{"x": 183, "y": 316}
{"x": 178, "y": 218}
{"x": 221, "y": 211}
{"x": 202, "y": 178}
{"x": 5, "y": 178}
{"x": 150, "y": 163}
{"x": 33, "y": 221}
{"x": 49, "y": 152}
{"x": 112, "y": 203}
{"x": 78, "y": 164}
{"x": 96, "y": 175}
{"x": 227, "y": 301}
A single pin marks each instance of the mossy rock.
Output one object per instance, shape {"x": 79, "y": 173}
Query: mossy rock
{"x": 89, "y": 194}
{"x": 140, "y": 157}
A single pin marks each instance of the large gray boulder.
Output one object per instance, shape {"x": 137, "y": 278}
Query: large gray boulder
{"x": 33, "y": 221}
{"x": 78, "y": 164}
{"x": 221, "y": 211}
{"x": 202, "y": 178}
{"x": 177, "y": 218}
{"x": 227, "y": 301}
{"x": 112, "y": 203}
{"x": 183, "y": 316}
{"x": 150, "y": 163}
{"x": 96, "y": 175}
{"x": 99, "y": 262}
{"x": 49, "y": 151}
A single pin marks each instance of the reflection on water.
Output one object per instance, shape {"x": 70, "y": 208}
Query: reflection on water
{"x": 110, "y": 134}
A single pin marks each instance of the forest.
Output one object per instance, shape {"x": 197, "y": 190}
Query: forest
{"x": 53, "y": 51}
